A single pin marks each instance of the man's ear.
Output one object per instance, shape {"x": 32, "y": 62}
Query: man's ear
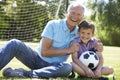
{"x": 78, "y": 32}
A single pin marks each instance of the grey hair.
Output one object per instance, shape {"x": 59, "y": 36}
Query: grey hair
{"x": 74, "y": 4}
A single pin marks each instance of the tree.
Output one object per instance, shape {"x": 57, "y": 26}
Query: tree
{"x": 3, "y": 23}
{"x": 107, "y": 17}
{"x": 26, "y": 20}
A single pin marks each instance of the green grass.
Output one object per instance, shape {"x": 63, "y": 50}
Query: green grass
{"x": 111, "y": 58}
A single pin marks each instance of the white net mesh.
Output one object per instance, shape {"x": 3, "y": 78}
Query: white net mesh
{"x": 25, "y": 19}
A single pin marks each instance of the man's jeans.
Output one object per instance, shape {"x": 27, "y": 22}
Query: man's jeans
{"x": 40, "y": 68}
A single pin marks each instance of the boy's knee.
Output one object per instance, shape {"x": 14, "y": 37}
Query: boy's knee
{"x": 111, "y": 70}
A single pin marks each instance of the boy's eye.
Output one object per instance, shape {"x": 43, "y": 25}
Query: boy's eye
{"x": 88, "y": 33}
{"x": 82, "y": 32}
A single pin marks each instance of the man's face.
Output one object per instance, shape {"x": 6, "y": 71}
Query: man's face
{"x": 74, "y": 16}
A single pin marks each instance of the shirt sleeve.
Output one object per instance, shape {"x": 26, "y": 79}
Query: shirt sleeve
{"x": 49, "y": 30}
{"x": 76, "y": 40}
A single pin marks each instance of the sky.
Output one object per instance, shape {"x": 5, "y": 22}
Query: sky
{"x": 83, "y": 2}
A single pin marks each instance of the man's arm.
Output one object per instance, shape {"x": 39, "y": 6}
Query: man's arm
{"x": 98, "y": 46}
{"x": 48, "y": 50}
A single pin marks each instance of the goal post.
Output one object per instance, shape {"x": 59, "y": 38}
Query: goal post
{"x": 26, "y": 19}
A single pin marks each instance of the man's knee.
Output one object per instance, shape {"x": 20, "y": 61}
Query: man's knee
{"x": 67, "y": 68}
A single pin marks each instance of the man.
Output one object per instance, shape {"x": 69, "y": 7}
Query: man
{"x": 49, "y": 60}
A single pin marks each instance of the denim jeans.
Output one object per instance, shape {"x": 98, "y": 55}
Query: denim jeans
{"x": 39, "y": 68}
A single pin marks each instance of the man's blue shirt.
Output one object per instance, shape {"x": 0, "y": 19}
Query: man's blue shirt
{"x": 58, "y": 32}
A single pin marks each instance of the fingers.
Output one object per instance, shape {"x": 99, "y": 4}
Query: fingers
{"x": 74, "y": 47}
{"x": 99, "y": 40}
{"x": 90, "y": 73}
{"x": 98, "y": 46}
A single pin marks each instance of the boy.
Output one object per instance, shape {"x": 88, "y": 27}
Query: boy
{"x": 88, "y": 42}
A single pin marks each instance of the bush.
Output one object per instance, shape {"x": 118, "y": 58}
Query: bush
{"x": 115, "y": 38}
{"x": 109, "y": 37}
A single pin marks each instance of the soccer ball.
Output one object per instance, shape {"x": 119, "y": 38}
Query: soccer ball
{"x": 90, "y": 59}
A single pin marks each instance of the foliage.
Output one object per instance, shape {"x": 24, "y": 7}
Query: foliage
{"x": 55, "y": 10}
{"x": 107, "y": 17}
{"x": 26, "y": 19}
{"x": 22, "y": 19}
{"x": 3, "y": 23}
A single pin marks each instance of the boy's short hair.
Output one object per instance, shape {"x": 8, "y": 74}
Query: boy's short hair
{"x": 86, "y": 25}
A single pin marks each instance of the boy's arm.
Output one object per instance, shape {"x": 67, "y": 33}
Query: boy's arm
{"x": 98, "y": 49}
{"x": 77, "y": 61}
{"x": 101, "y": 61}
{"x": 100, "y": 65}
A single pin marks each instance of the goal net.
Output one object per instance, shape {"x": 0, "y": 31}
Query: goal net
{"x": 26, "y": 19}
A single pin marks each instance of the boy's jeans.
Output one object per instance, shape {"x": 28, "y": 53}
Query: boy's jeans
{"x": 40, "y": 68}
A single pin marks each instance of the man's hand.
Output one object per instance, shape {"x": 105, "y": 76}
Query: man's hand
{"x": 99, "y": 46}
{"x": 74, "y": 47}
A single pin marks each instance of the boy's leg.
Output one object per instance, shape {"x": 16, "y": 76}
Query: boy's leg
{"x": 106, "y": 70}
{"x": 107, "y": 73}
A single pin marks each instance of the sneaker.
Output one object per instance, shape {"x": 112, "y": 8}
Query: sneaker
{"x": 72, "y": 75}
{"x": 107, "y": 77}
{"x": 103, "y": 78}
{"x": 9, "y": 72}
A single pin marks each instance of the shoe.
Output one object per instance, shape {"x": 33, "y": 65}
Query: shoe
{"x": 103, "y": 78}
{"x": 108, "y": 77}
{"x": 9, "y": 72}
{"x": 72, "y": 75}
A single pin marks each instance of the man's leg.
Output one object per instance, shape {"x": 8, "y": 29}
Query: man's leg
{"x": 26, "y": 55}
{"x": 53, "y": 71}
{"x": 16, "y": 48}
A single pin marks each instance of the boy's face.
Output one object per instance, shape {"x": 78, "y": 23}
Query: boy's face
{"x": 85, "y": 35}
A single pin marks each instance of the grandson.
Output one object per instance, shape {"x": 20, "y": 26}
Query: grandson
{"x": 87, "y": 42}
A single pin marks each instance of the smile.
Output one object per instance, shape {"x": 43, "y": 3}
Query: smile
{"x": 74, "y": 20}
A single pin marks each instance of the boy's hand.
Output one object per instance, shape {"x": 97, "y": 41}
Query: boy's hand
{"x": 97, "y": 73}
{"x": 89, "y": 73}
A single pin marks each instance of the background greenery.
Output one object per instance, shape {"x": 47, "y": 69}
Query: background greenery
{"x": 106, "y": 16}
{"x": 16, "y": 20}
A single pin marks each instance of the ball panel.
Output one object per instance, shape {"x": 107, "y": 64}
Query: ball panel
{"x": 91, "y": 65}
{"x": 86, "y": 56}
{"x": 96, "y": 57}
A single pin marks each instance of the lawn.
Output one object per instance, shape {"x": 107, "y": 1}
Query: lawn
{"x": 111, "y": 58}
